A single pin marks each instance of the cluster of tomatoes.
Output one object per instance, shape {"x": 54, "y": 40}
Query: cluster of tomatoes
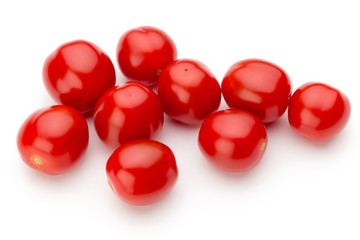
{"x": 141, "y": 171}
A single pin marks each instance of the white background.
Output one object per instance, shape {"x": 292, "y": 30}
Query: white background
{"x": 300, "y": 190}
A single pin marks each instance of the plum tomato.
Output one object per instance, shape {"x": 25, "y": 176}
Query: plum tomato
{"x": 259, "y": 87}
{"x": 188, "y": 91}
{"x": 77, "y": 74}
{"x": 318, "y": 111}
{"x": 143, "y": 52}
{"x": 233, "y": 140}
{"x": 128, "y": 112}
{"x": 142, "y": 172}
{"x": 53, "y": 139}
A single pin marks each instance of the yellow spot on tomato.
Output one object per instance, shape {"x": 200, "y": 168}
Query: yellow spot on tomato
{"x": 263, "y": 145}
{"x": 36, "y": 160}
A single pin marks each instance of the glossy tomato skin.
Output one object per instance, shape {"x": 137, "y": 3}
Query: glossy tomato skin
{"x": 233, "y": 140}
{"x": 188, "y": 91}
{"x": 143, "y": 52}
{"x": 77, "y": 74}
{"x": 53, "y": 139}
{"x": 259, "y": 87}
{"x": 318, "y": 111}
{"x": 142, "y": 172}
{"x": 128, "y": 112}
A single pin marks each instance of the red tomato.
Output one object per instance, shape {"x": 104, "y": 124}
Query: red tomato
{"x": 143, "y": 52}
{"x": 142, "y": 172}
{"x": 53, "y": 139}
{"x": 233, "y": 140}
{"x": 188, "y": 91}
{"x": 128, "y": 112}
{"x": 318, "y": 111}
{"x": 259, "y": 87}
{"x": 77, "y": 74}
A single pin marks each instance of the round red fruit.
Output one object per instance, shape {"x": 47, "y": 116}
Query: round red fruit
{"x": 143, "y": 52}
{"x": 259, "y": 87}
{"x": 188, "y": 91}
{"x": 142, "y": 172}
{"x": 77, "y": 74}
{"x": 233, "y": 140}
{"x": 318, "y": 111}
{"x": 53, "y": 139}
{"x": 128, "y": 112}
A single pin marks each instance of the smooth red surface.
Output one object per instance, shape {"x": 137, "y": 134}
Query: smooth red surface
{"x": 188, "y": 91}
{"x": 128, "y": 112}
{"x": 142, "y": 172}
{"x": 77, "y": 73}
{"x": 143, "y": 52}
{"x": 318, "y": 111}
{"x": 259, "y": 87}
{"x": 53, "y": 139}
{"x": 233, "y": 140}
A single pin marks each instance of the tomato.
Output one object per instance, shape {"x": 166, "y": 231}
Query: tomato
{"x": 77, "y": 74}
{"x": 128, "y": 112}
{"x": 318, "y": 111}
{"x": 53, "y": 139}
{"x": 188, "y": 91}
{"x": 259, "y": 87}
{"x": 142, "y": 172}
{"x": 143, "y": 52}
{"x": 233, "y": 140}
